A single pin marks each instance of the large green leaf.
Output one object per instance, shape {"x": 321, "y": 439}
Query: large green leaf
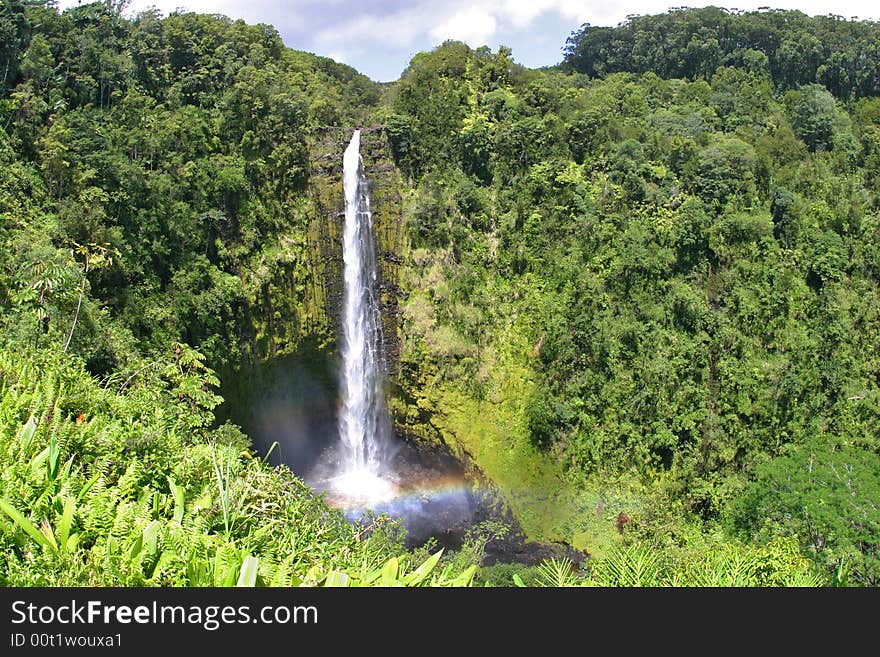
{"x": 336, "y": 578}
{"x": 66, "y": 522}
{"x": 247, "y": 576}
{"x": 151, "y": 536}
{"x": 389, "y": 573}
{"x": 466, "y": 577}
{"x": 27, "y": 526}
{"x": 179, "y": 499}
{"x": 419, "y": 574}
{"x": 27, "y": 434}
{"x": 88, "y": 486}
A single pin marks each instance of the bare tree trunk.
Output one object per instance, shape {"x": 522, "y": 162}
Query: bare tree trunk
{"x": 82, "y": 291}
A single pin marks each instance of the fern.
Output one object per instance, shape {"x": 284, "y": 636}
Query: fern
{"x": 628, "y": 566}
{"x": 556, "y": 572}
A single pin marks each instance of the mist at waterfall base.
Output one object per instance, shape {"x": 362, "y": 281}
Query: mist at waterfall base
{"x": 292, "y": 414}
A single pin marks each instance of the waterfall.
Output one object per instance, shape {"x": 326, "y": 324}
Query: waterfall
{"x": 364, "y": 426}
{"x": 368, "y": 470}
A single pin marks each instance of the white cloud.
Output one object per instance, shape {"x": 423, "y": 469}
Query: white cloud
{"x": 338, "y": 55}
{"x": 473, "y": 25}
{"x": 473, "y": 22}
{"x": 395, "y": 30}
{"x": 521, "y": 14}
{"x": 379, "y": 36}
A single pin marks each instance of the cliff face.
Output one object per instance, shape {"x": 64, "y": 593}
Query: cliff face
{"x": 295, "y": 315}
{"x": 288, "y": 393}
{"x": 325, "y": 232}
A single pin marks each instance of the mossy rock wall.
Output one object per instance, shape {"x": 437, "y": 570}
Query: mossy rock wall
{"x": 298, "y": 293}
{"x": 327, "y": 198}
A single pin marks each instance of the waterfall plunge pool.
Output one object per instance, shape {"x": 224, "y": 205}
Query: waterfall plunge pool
{"x": 426, "y": 489}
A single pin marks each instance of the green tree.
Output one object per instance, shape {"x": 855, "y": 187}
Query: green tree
{"x": 825, "y": 494}
{"x": 813, "y": 116}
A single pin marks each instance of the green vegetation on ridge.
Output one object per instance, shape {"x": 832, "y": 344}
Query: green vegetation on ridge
{"x": 642, "y": 295}
{"x": 693, "y": 263}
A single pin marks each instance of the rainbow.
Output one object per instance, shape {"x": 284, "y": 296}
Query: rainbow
{"x": 404, "y": 500}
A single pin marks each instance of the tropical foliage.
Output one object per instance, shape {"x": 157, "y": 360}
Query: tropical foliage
{"x": 639, "y": 289}
{"x": 679, "y": 264}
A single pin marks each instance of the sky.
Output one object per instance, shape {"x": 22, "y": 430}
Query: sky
{"x": 379, "y": 37}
